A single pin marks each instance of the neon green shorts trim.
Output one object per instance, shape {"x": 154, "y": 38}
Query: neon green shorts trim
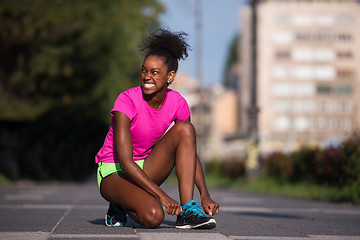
{"x": 107, "y": 169}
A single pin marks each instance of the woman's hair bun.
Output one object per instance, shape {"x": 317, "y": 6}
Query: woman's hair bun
{"x": 164, "y": 43}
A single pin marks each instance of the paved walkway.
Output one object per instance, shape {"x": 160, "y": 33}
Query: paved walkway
{"x": 75, "y": 211}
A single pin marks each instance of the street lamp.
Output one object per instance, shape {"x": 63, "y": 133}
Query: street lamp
{"x": 252, "y": 162}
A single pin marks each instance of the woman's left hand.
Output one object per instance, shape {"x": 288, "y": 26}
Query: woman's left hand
{"x": 210, "y": 206}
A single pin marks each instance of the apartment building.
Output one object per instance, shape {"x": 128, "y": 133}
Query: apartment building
{"x": 307, "y": 72}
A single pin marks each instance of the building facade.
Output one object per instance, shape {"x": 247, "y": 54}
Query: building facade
{"x": 308, "y": 72}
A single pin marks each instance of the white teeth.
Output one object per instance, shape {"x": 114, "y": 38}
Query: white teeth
{"x": 149, "y": 85}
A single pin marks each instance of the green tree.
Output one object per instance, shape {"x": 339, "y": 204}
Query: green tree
{"x": 62, "y": 64}
{"x": 232, "y": 59}
{"x": 64, "y": 52}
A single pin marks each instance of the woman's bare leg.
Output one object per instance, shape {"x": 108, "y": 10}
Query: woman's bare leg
{"x": 140, "y": 205}
{"x": 177, "y": 147}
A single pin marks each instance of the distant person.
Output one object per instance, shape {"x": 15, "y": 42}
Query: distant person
{"x": 138, "y": 154}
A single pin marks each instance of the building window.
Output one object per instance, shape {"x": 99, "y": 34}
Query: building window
{"x": 282, "y": 123}
{"x": 302, "y": 123}
{"x": 303, "y": 20}
{"x": 344, "y": 54}
{"x": 345, "y": 20}
{"x": 297, "y": 89}
{"x": 304, "y": 89}
{"x": 345, "y": 73}
{"x": 282, "y": 89}
{"x": 298, "y": 106}
{"x": 325, "y": 20}
{"x": 344, "y": 37}
{"x": 282, "y": 55}
{"x": 323, "y": 37}
{"x": 321, "y": 107}
{"x": 281, "y": 72}
{"x": 322, "y": 122}
{"x": 326, "y": 89}
{"x": 344, "y": 123}
{"x": 283, "y": 19}
{"x": 344, "y": 89}
{"x": 323, "y": 89}
{"x": 325, "y": 73}
{"x": 303, "y": 72}
{"x": 302, "y": 54}
{"x": 325, "y": 55}
{"x": 303, "y": 37}
{"x": 345, "y": 107}
{"x": 310, "y": 55}
{"x": 282, "y": 106}
{"x": 283, "y": 37}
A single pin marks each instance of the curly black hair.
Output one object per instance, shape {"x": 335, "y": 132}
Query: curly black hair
{"x": 163, "y": 43}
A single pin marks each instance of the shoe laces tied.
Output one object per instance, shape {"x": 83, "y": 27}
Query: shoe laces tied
{"x": 194, "y": 207}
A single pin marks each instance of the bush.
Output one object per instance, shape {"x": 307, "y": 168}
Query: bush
{"x": 336, "y": 167}
{"x": 59, "y": 145}
{"x": 351, "y": 151}
{"x": 304, "y": 164}
{"x": 230, "y": 168}
{"x": 329, "y": 167}
{"x": 279, "y": 165}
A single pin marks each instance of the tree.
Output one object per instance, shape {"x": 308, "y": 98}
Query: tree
{"x": 63, "y": 52}
{"x": 232, "y": 59}
{"x": 62, "y": 64}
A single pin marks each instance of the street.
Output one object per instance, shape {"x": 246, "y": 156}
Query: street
{"x": 30, "y": 210}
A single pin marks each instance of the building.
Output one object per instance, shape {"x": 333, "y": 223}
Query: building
{"x": 214, "y": 115}
{"x": 308, "y": 72}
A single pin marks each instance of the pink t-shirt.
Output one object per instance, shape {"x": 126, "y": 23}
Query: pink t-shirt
{"x": 147, "y": 124}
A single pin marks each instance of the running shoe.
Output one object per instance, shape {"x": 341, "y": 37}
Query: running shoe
{"x": 115, "y": 217}
{"x": 192, "y": 216}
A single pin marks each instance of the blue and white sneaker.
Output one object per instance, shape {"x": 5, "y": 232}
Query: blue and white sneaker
{"x": 192, "y": 216}
{"x": 115, "y": 217}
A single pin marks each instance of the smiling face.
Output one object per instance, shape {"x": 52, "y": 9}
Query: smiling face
{"x": 155, "y": 76}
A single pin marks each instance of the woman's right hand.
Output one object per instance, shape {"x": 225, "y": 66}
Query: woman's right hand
{"x": 172, "y": 207}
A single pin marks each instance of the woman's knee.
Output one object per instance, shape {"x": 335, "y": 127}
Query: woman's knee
{"x": 152, "y": 216}
{"x": 186, "y": 129}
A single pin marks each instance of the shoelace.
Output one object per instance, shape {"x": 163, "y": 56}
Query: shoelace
{"x": 195, "y": 208}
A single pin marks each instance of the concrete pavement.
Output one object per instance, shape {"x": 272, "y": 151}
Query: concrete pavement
{"x": 37, "y": 211}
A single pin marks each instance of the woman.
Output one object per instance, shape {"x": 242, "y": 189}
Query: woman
{"x": 138, "y": 154}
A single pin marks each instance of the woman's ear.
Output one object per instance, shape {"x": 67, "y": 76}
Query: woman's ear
{"x": 171, "y": 77}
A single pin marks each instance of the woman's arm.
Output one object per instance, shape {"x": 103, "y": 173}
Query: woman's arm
{"x": 122, "y": 138}
{"x": 211, "y": 207}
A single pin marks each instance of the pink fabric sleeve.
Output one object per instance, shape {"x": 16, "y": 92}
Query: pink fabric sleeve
{"x": 183, "y": 112}
{"x": 125, "y": 105}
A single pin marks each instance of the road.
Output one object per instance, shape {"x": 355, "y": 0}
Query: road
{"x": 35, "y": 211}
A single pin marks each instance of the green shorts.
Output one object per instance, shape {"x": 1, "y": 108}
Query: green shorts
{"x": 107, "y": 169}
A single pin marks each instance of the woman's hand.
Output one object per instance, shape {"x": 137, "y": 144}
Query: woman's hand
{"x": 172, "y": 207}
{"x": 210, "y": 206}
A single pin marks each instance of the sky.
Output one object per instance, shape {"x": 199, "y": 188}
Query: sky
{"x": 220, "y": 24}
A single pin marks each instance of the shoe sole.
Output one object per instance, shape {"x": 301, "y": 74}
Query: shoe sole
{"x": 206, "y": 225}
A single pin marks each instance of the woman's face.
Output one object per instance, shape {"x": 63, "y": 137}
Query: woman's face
{"x": 154, "y": 75}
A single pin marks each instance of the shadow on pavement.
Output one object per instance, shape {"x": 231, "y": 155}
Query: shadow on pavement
{"x": 165, "y": 224}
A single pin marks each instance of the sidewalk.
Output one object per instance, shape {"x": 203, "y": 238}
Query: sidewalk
{"x": 37, "y": 211}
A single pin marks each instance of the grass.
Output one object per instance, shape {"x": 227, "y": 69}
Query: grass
{"x": 306, "y": 190}
{"x": 349, "y": 194}
{"x": 4, "y": 181}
